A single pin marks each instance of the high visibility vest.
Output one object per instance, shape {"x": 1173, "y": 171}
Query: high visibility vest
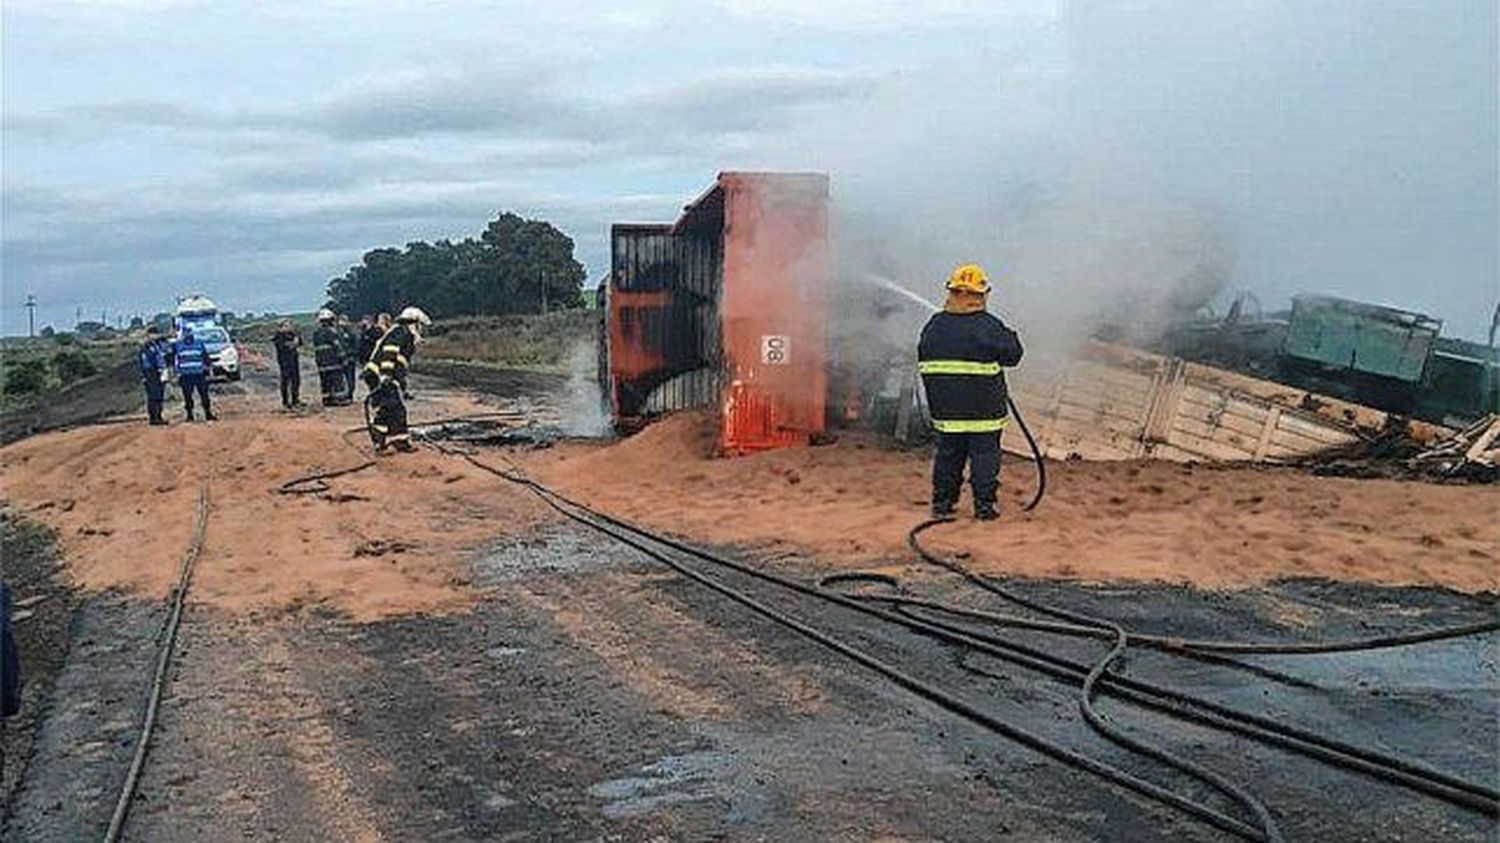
{"x": 962, "y": 359}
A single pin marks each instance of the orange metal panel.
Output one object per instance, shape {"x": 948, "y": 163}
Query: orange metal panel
{"x": 774, "y": 309}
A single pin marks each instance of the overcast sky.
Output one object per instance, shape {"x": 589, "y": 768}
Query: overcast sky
{"x": 254, "y": 150}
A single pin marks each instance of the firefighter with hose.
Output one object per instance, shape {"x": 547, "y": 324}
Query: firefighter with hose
{"x": 962, "y": 356}
{"x": 385, "y": 375}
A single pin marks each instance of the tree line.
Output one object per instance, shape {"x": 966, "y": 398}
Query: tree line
{"x": 516, "y": 265}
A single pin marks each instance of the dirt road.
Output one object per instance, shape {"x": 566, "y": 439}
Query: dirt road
{"x": 422, "y": 653}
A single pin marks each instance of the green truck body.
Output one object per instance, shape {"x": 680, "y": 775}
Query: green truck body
{"x": 1374, "y": 340}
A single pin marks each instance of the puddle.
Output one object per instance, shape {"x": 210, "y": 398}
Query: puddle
{"x": 672, "y": 780}
{"x": 558, "y": 550}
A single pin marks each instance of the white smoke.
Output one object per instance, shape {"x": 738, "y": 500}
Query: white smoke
{"x": 1143, "y": 157}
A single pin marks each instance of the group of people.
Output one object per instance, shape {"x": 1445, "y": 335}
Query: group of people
{"x": 338, "y": 348}
{"x": 379, "y": 352}
{"x": 185, "y": 354}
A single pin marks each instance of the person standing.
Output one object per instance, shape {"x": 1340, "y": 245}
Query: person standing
{"x": 190, "y": 359}
{"x": 287, "y": 341}
{"x": 330, "y": 359}
{"x": 152, "y": 360}
{"x": 349, "y": 349}
{"x": 369, "y": 337}
{"x": 961, "y": 356}
{"x": 385, "y": 375}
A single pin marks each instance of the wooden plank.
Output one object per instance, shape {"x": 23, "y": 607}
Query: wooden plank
{"x": 1263, "y": 442}
{"x": 1322, "y": 431}
{"x": 1222, "y": 435}
{"x": 1236, "y": 423}
{"x": 1206, "y": 448}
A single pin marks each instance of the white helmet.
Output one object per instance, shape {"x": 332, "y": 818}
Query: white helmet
{"x": 325, "y": 315}
{"x": 414, "y": 314}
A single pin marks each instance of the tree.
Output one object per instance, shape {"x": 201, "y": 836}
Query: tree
{"x": 515, "y": 266}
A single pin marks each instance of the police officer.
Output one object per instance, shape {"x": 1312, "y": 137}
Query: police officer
{"x": 961, "y": 356}
{"x": 287, "y": 340}
{"x": 152, "y": 360}
{"x": 328, "y": 354}
{"x": 385, "y": 375}
{"x": 190, "y": 359}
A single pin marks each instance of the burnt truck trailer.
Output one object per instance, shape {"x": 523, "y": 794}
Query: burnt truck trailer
{"x": 724, "y": 308}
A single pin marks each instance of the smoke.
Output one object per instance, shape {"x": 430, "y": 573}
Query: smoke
{"x": 583, "y": 403}
{"x": 1137, "y": 163}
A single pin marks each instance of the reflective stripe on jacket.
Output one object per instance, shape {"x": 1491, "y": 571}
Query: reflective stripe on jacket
{"x": 190, "y": 358}
{"x": 961, "y": 357}
{"x": 393, "y": 353}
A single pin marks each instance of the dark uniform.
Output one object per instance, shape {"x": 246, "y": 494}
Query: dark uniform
{"x": 385, "y": 375}
{"x": 152, "y": 360}
{"x": 190, "y": 358}
{"x": 328, "y": 354}
{"x": 369, "y": 337}
{"x": 287, "y": 341}
{"x": 961, "y": 357}
{"x": 349, "y": 347}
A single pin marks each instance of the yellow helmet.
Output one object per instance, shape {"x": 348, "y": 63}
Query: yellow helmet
{"x": 970, "y": 278}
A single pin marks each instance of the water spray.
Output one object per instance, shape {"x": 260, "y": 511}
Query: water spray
{"x": 894, "y": 286}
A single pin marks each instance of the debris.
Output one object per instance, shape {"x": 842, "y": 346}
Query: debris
{"x": 1472, "y": 453}
{"x": 380, "y": 547}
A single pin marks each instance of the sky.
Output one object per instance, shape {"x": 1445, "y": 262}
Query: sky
{"x": 1093, "y": 155}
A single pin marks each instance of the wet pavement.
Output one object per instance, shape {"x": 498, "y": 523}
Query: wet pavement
{"x": 594, "y": 695}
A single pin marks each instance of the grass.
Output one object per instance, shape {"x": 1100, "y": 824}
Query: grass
{"x": 542, "y": 342}
{"x": 34, "y": 368}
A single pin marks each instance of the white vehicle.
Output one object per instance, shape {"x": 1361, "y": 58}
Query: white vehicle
{"x": 199, "y": 313}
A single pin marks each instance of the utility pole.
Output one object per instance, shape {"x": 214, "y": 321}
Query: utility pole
{"x": 542, "y": 275}
{"x": 30, "y": 315}
{"x": 77, "y": 315}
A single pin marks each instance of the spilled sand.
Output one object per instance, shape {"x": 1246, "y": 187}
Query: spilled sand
{"x": 851, "y": 504}
{"x": 398, "y": 539}
{"x": 391, "y": 540}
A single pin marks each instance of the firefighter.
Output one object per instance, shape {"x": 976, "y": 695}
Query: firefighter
{"x": 287, "y": 341}
{"x": 961, "y": 356}
{"x": 328, "y": 354}
{"x": 152, "y": 361}
{"x": 385, "y": 375}
{"x": 190, "y": 359}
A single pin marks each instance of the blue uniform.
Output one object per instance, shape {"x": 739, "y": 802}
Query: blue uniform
{"x": 190, "y": 357}
{"x": 152, "y": 360}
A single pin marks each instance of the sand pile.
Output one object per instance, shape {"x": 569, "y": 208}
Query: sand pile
{"x": 852, "y": 503}
{"x": 387, "y": 541}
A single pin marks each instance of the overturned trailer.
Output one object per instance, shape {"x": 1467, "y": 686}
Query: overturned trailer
{"x": 724, "y": 308}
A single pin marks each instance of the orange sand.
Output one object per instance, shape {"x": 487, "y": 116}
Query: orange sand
{"x": 390, "y": 540}
{"x": 852, "y": 503}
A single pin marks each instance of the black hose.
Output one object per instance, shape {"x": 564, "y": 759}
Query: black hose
{"x": 1446, "y": 787}
{"x": 916, "y": 686}
{"x": 1191, "y": 646}
{"x": 1436, "y": 783}
{"x": 311, "y": 484}
{"x": 159, "y": 677}
{"x": 1036, "y": 456}
{"x": 1340, "y": 754}
{"x": 596, "y": 520}
{"x": 860, "y": 577}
